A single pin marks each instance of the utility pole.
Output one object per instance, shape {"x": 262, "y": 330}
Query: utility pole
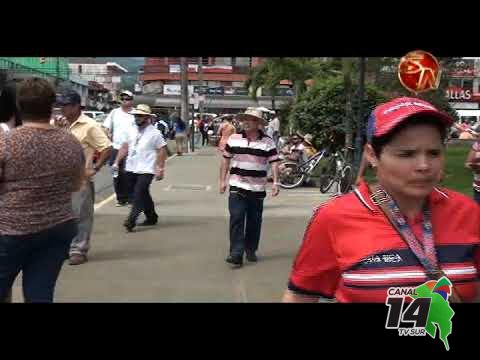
{"x": 360, "y": 121}
{"x": 200, "y": 83}
{"x": 184, "y": 90}
{"x": 57, "y": 78}
{"x": 198, "y": 102}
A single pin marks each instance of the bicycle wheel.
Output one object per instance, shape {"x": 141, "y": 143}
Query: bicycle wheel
{"x": 291, "y": 176}
{"x": 346, "y": 179}
{"x": 327, "y": 175}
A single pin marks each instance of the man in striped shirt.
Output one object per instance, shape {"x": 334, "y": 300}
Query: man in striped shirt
{"x": 247, "y": 155}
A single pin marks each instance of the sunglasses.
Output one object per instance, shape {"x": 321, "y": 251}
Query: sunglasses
{"x": 126, "y": 98}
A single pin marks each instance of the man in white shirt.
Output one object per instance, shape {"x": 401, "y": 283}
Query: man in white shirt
{"x": 275, "y": 126}
{"x": 146, "y": 149}
{"x": 118, "y": 123}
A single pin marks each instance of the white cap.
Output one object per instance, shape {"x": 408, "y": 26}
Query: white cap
{"x": 126, "y": 92}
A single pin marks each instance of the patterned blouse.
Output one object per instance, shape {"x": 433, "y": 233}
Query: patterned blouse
{"x": 38, "y": 170}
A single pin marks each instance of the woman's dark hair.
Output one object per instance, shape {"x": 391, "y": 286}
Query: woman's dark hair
{"x": 378, "y": 143}
{"x": 8, "y": 105}
{"x": 36, "y": 97}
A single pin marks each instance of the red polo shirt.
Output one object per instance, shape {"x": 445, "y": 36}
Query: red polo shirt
{"x": 350, "y": 251}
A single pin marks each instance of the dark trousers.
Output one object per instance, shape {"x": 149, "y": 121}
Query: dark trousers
{"x": 120, "y": 183}
{"x": 204, "y": 138}
{"x": 39, "y": 256}
{"x": 245, "y": 223}
{"x": 139, "y": 185}
{"x": 476, "y": 196}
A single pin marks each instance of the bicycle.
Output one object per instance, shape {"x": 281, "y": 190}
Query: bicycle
{"x": 294, "y": 174}
{"x": 339, "y": 171}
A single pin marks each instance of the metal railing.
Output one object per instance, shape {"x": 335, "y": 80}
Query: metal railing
{"x": 14, "y": 67}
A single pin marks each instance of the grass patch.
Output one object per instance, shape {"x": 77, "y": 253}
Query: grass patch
{"x": 456, "y": 176}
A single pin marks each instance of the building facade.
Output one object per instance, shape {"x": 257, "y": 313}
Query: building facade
{"x": 108, "y": 75}
{"x": 217, "y": 75}
{"x": 463, "y": 91}
{"x": 219, "y": 81}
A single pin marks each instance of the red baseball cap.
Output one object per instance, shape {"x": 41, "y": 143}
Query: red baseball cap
{"x": 385, "y": 117}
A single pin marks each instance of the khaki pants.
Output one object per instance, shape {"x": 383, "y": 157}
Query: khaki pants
{"x": 180, "y": 141}
{"x": 83, "y": 206}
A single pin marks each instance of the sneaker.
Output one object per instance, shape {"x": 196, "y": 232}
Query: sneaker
{"x": 251, "y": 257}
{"x": 120, "y": 204}
{"x": 235, "y": 262}
{"x": 77, "y": 259}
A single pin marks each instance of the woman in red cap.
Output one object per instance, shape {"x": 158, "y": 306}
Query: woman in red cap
{"x": 399, "y": 232}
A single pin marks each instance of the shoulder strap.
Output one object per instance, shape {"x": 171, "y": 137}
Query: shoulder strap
{"x": 380, "y": 198}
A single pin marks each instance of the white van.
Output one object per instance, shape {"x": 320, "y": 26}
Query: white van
{"x": 98, "y": 116}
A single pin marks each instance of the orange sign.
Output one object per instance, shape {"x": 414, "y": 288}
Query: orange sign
{"x": 419, "y": 71}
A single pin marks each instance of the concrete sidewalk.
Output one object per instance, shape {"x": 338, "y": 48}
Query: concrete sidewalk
{"x": 182, "y": 258}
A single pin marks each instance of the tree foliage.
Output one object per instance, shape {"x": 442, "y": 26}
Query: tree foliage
{"x": 297, "y": 70}
{"x": 321, "y": 111}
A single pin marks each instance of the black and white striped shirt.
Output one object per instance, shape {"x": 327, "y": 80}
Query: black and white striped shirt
{"x": 248, "y": 170}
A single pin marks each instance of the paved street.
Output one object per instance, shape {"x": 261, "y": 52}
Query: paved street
{"x": 103, "y": 184}
{"x": 182, "y": 258}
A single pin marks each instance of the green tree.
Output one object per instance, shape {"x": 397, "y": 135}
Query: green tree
{"x": 321, "y": 111}
{"x": 382, "y": 72}
{"x": 269, "y": 74}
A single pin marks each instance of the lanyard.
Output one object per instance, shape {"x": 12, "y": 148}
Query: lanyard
{"x": 424, "y": 251}
{"x": 137, "y": 140}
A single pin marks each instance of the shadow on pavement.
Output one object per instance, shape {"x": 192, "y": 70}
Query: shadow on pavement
{"x": 262, "y": 258}
{"x": 120, "y": 254}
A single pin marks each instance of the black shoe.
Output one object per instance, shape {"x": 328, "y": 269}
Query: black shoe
{"x": 149, "y": 222}
{"x": 235, "y": 261}
{"x": 128, "y": 226}
{"x": 251, "y": 257}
